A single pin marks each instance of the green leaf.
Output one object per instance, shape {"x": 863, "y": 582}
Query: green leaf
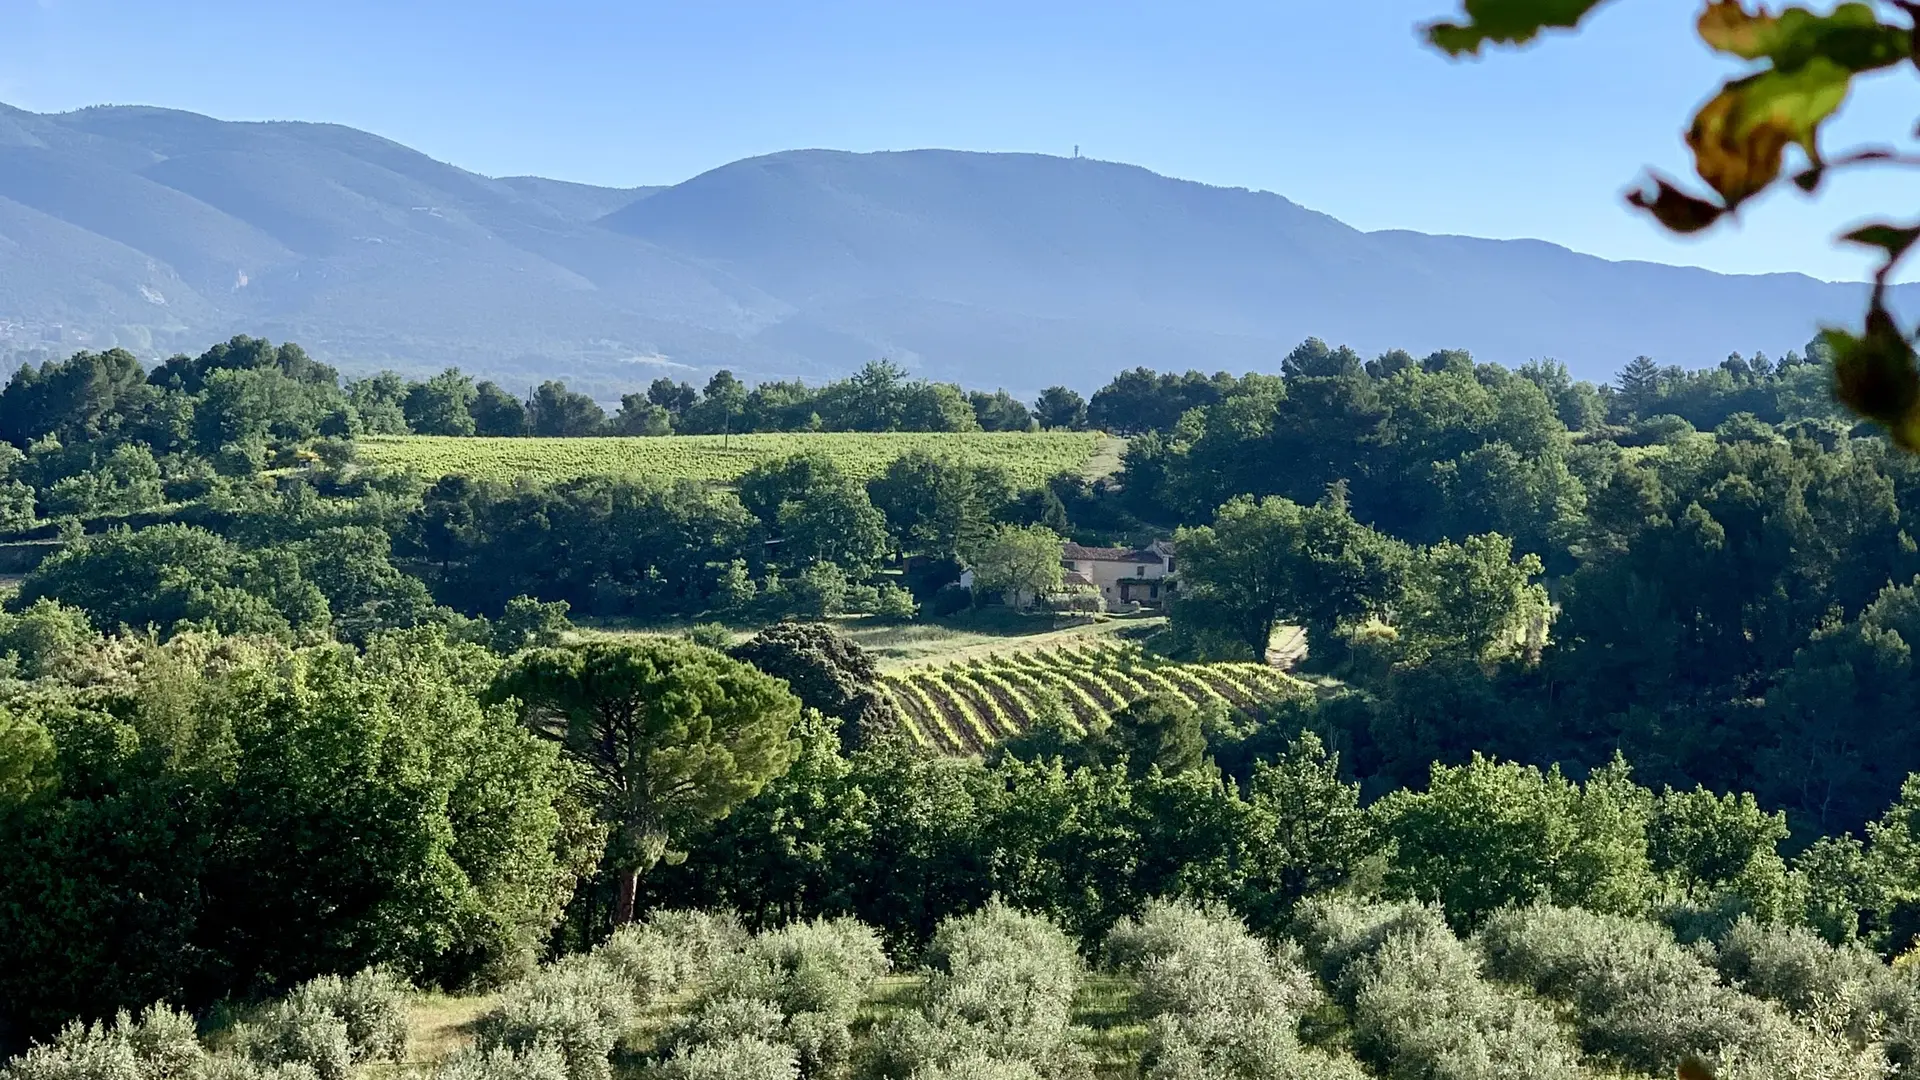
{"x": 1506, "y": 22}
{"x": 1892, "y": 239}
{"x": 1875, "y": 375}
{"x": 1851, "y": 37}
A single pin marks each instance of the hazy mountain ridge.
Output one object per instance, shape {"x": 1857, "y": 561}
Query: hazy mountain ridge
{"x": 164, "y": 230}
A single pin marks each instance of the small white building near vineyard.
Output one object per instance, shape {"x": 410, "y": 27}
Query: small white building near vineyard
{"x": 1144, "y": 576}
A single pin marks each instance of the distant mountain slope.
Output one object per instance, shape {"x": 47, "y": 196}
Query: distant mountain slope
{"x": 165, "y": 230}
{"x": 576, "y": 202}
{"x": 1041, "y": 249}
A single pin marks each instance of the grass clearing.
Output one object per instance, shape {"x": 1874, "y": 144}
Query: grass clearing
{"x": 900, "y": 646}
{"x": 904, "y": 645}
{"x": 893, "y": 997}
{"x": 1113, "y": 1032}
{"x": 1029, "y": 457}
{"x": 441, "y": 1025}
{"x": 1105, "y": 461}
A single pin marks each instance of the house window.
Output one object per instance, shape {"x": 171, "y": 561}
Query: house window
{"x": 1169, "y": 566}
{"x": 1139, "y": 571}
{"x": 1153, "y": 592}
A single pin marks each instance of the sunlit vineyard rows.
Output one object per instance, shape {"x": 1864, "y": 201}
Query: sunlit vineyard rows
{"x": 1029, "y": 457}
{"x": 964, "y": 708}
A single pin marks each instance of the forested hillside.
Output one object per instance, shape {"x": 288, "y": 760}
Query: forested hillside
{"x": 1598, "y": 757}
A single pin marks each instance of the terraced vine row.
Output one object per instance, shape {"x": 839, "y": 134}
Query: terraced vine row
{"x": 965, "y": 708}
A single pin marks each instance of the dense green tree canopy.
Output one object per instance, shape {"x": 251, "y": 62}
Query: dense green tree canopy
{"x": 1014, "y": 561}
{"x": 674, "y": 735}
{"x": 168, "y": 576}
{"x": 229, "y": 818}
{"x": 1263, "y": 562}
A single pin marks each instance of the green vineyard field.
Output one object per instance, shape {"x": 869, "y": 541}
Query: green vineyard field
{"x": 965, "y": 708}
{"x": 1029, "y": 457}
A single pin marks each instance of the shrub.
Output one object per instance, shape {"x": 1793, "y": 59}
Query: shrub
{"x": 579, "y": 1006}
{"x": 1075, "y": 599}
{"x": 162, "y": 1045}
{"x": 1422, "y": 1010}
{"x": 1221, "y": 1002}
{"x": 817, "y": 591}
{"x": 978, "y": 1067}
{"x": 797, "y": 987}
{"x": 826, "y": 966}
{"x": 1214, "y": 1046}
{"x": 372, "y": 1005}
{"x": 1000, "y": 989}
{"x": 165, "y": 1041}
{"x": 720, "y": 1019}
{"x": 1781, "y": 1049}
{"x": 1639, "y": 998}
{"x": 713, "y": 635}
{"x": 743, "y": 1058}
{"x": 541, "y": 1061}
{"x": 1336, "y": 932}
{"x": 671, "y": 951}
{"x": 949, "y": 600}
{"x": 894, "y": 603}
{"x": 1845, "y": 986}
{"x": 976, "y": 957}
{"x": 232, "y": 1067}
{"x": 1189, "y": 961}
{"x": 298, "y": 1032}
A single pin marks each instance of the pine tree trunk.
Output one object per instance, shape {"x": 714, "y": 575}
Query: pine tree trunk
{"x": 629, "y": 892}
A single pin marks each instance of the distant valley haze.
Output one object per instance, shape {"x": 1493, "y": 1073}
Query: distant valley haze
{"x": 163, "y": 231}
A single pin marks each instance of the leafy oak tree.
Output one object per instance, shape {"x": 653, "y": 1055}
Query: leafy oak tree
{"x": 1582, "y": 845}
{"x": 675, "y": 735}
{"x": 1019, "y": 562}
{"x": 1263, "y": 562}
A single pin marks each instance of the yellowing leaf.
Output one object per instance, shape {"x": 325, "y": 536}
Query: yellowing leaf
{"x": 1740, "y": 136}
{"x": 1506, "y": 22}
{"x": 1851, "y": 36}
{"x": 1727, "y": 26}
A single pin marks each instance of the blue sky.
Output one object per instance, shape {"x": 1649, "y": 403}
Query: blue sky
{"x": 1332, "y": 103}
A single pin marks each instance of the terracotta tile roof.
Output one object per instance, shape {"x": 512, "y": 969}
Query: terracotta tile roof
{"x": 1075, "y": 552}
{"x": 1075, "y": 577}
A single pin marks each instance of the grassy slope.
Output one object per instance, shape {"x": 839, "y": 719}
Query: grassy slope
{"x": 899, "y": 646}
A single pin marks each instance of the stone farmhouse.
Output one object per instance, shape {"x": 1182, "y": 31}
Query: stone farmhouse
{"x": 1124, "y": 576}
